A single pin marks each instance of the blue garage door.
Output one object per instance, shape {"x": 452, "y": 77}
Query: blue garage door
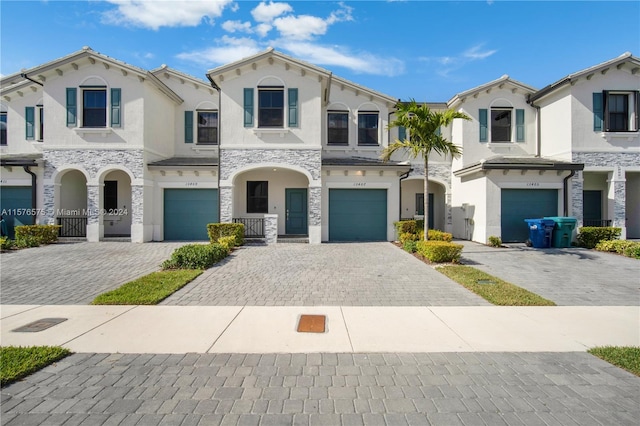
{"x": 521, "y": 204}
{"x": 187, "y": 213}
{"x": 357, "y": 215}
{"x": 15, "y": 201}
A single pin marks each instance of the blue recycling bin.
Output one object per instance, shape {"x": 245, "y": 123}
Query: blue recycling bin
{"x": 540, "y": 232}
{"x": 563, "y": 230}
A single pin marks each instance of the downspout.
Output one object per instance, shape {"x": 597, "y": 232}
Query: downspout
{"x": 566, "y": 192}
{"x": 402, "y": 177}
{"x": 34, "y": 190}
{"x": 25, "y": 76}
{"x": 217, "y": 88}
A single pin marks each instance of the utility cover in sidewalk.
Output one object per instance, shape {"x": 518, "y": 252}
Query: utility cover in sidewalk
{"x": 311, "y": 324}
{"x": 39, "y": 325}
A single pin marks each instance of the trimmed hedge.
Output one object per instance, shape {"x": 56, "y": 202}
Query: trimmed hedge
{"x": 37, "y": 234}
{"x": 623, "y": 247}
{"x": 439, "y": 251}
{"x": 219, "y": 230}
{"x": 435, "y": 235}
{"x": 409, "y": 246}
{"x": 227, "y": 242}
{"x": 590, "y": 236}
{"x": 196, "y": 256}
{"x": 411, "y": 226}
{"x": 495, "y": 241}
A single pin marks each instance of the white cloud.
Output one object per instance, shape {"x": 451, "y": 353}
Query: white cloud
{"x": 303, "y": 27}
{"x": 233, "y": 26}
{"x": 359, "y": 62}
{"x": 453, "y": 63}
{"x": 475, "y": 53}
{"x": 263, "y": 29}
{"x": 156, "y": 14}
{"x": 267, "y": 12}
{"x": 229, "y": 50}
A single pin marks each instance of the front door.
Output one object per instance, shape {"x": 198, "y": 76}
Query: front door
{"x": 420, "y": 207}
{"x": 592, "y": 210}
{"x": 296, "y": 211}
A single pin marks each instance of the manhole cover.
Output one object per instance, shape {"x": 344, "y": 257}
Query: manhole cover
{"x": 311, "y": 324}
{"x": 39, "y": 325}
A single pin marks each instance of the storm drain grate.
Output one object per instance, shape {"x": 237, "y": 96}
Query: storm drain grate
{"x": 39, "y": 325}
{"x": 485, "y": 282}
{"x": 312, "y": 324}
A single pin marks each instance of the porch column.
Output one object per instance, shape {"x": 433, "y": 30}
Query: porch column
{"x": 576, "y": 198}
{"x": 226, "y": 203}
{"x": 137, "y": 213}
{"x": 49, "y": 204}
{"x": 95, "y": 226}
{"x": 448, "y": 225}
{"x": 315, "y": 213}
{"x": 617, "y": 200}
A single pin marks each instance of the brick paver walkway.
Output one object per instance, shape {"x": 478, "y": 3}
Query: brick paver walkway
{"x": 326, "y": 389}
{"x": 365, "y": 274}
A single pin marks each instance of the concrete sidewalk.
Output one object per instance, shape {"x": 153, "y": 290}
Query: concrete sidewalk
{"x": 251, "y": 329}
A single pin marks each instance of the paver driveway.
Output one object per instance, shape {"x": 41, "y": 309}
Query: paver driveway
{"x": 75, "y": 273}
{"x": 356, "y": 274}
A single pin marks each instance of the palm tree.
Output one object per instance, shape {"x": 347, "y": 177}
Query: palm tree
{"x": 423, "y": 127}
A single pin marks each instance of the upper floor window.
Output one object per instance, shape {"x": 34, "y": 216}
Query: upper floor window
{"x": 368, "y": 128}
{"x": 208, "y": 127}
{"x": 500, "y": 125}
{"x": 270, "y": 107}
{"x": 40, "y": 122}
{"x": 3, "y": 128}
{"x": 94, "y": 108}
{"x": 616, "y": 111}
{"x": 338, "y": 128}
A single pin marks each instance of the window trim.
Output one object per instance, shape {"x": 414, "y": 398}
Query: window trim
{"x": 197, "y": 126}
{"x": 377, "y": 128}
{"x": 511, "y": 124}
{"x": 632, "y": 106}
{"x": 83, "y": 109}
{"x": 342, "y": 112}
{"x": 40, "y": 123}
{"x": 251, "y": 207}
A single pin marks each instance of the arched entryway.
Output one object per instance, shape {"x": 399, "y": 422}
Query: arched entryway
{"x": 71, "y": 203}
{"x": 115, "y": 204}
{"x": 412, "y": 202}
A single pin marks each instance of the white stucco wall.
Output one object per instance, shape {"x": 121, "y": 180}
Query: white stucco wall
{"x": 16, "y": 122}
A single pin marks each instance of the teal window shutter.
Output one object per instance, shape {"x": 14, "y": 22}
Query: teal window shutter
{"x": 402, "y": 133}
{"x": 482, "y": 116}
{"x": 293, "y": 107}
{"x": 30, "y": 121}
{"x": 72, "y": 106}
{"x": 116, "y": 108}
{"x": 438, "y": 131}
{"x": 248, "y": 107}
{"x": 598, "y": 112}
{"x": 188, "y": 127}
{"x": 519, "y": 125}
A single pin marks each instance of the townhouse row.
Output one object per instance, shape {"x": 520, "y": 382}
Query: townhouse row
{"x": 107, "y": 149}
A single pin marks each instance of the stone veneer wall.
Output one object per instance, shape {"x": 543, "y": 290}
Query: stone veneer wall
{"x": 233, "y": 159}
{"x": 93, "y": 161}
{"x": 617, "y": 162}
{"x": 443, "y": 173}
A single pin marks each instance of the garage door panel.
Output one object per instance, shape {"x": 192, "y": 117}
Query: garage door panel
{"x": 187, "y": 213}
{"x": 521, "y": 204}
{"x": 357, "y": 214}
{"x": 15, "y": 199}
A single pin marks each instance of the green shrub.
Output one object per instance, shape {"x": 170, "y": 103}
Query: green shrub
{"x": 439, "y": 251}
{"x": 227, "y": 242}
{"x": 590, "y": 236}
{"x": 435, "y": 235}
{"x": 409, "y": 226}
{"x": 43, "y": 234}
{"x": 218, "y": 230}
{"x": 409, "y": 246}
{"x": 408, "y": 236}
{"x": 196, "y": 256}
{"x": 26, "y": 241}
{"x": 6, "y": 243}
{"x": 624, "y": 247}
{"x": 495, "y": 241}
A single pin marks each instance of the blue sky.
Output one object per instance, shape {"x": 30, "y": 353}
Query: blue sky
{"x": 425, "y": 50}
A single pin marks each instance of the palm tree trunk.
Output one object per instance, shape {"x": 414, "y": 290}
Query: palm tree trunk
{"x": 426, "y": 197}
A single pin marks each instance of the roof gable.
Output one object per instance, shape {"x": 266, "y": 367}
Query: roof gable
{"x": 503, "y": 82}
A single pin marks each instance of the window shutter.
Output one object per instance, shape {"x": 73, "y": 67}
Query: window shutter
{"x": 438, "y": 131}
{"x": 30, "y": 121}
{"x": 72, "y": 106}
{"x": 116, "y": 108}
{"x": 598, "y": 112}
{"x": 248, "y": 107}
{"x": 188, "y": 127}
{"x": 519, "y": 125}
{"x": 402, "y": 133}
{"x": 293, "y": 107}
{"x": 482, "y": 116}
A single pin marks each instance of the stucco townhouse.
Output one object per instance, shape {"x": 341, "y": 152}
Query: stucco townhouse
{"x": 292, "y": 150}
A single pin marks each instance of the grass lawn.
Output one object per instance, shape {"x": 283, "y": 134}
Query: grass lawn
{"x": 150, "y": 289}
{"x": 492, "y": 289}
{"x": 626, "y": 357}
{"x": 17, "y": 362}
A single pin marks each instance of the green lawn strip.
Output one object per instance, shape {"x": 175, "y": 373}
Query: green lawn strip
{"x": 150, "y": 289}
{"x": 625, "y": 357}
{"x": 494, "y": 289}
{"x": 17, "y": 362}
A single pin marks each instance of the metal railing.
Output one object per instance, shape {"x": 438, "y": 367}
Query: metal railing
{"x": 253, "y": 226}
{"x": 72, "y": 226}
{"x": 597, "y": 223}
